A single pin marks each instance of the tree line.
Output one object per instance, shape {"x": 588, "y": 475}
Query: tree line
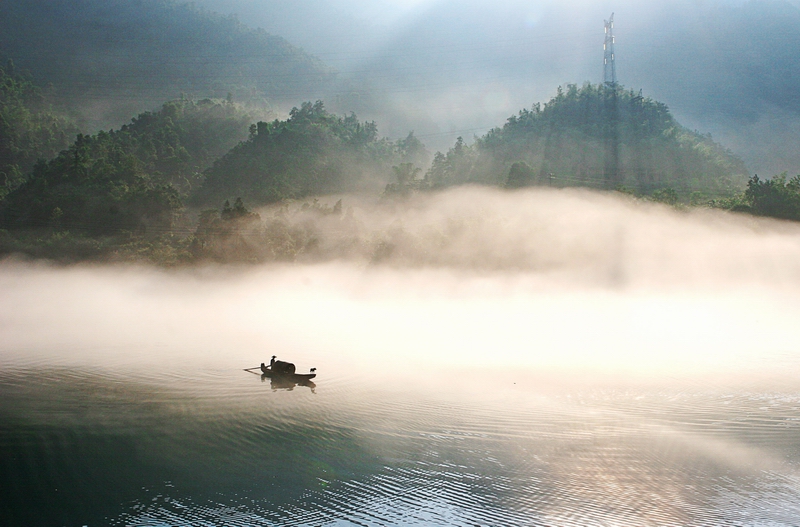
{"x": 164, "y": 182}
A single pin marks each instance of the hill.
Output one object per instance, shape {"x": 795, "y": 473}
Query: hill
{"x": 313, "y": 152}
{"x": 596, "y": 136}
{"x": 112, "y": 59}
{"x": 132, "y": 179}
{"x": 121, "y": 193}
{"x": 29, "y": 128}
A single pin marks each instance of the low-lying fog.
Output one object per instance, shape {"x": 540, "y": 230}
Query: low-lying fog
{"x": 526, "y": 284}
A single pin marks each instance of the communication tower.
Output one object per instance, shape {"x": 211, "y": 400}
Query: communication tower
{"x": 613, "y": 171}
{"x": 609, "y": 60}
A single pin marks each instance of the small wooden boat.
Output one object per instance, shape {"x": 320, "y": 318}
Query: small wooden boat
{"x": 293, "y": 377}
{"x": 285, "y": 371}
{"x": 282, "y": 375}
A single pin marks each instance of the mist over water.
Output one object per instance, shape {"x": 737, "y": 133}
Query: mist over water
{"x": 484, "y": 357}
{"x": 452, "y": 277}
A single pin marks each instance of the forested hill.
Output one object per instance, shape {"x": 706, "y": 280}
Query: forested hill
{"x": 29, "y": 129}
{"x": 116, "y": 58}
{"x": 130, "y": 179}
{"x": 595, "y": 136}
{"x": 313, "y": 152}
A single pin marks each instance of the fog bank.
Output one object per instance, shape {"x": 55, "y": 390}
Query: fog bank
{"x": 526, "y": 282}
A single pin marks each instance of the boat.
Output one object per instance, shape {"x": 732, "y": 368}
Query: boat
{"x": 285, "y": 375}
{"x": 282, "y": 375}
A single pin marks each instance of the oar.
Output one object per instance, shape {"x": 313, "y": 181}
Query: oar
{"x": 256, "y": 368}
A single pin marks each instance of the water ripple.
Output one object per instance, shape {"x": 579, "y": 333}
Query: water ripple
{"x": 235, "y": 452}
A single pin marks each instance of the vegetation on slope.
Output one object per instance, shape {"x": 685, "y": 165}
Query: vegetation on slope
{"x": 313, "y": 152}
{"x": 776, "y": 197}
{"x": 130, "y": 179}
{"x": 29, "y": 128}
{"x": 596, "y": 136}
{"x": 121, "y": 194}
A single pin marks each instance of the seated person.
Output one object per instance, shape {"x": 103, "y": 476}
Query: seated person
{"x": 281, "y": 367}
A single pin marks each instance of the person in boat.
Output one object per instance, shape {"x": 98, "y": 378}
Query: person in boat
{"x": 281, "y": 367}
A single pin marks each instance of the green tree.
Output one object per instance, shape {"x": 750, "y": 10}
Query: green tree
{"x": 456, "y": 167}
{"x": 520, "y": 175}
{"x": 29, "y": 127}
{"x": 666, "y": 195}
{"x": 774, "y": 197}
{"x": 129, "y": 179}
{"x": 313, "y": 152}
{"x": 406, "y": 180}
{"x": 412, "y": 150}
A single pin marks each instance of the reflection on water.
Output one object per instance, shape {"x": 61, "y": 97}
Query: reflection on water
{"x": 285, "y": 383}
{"x": 84, "y": 448}
{"x": 443, "y": 396}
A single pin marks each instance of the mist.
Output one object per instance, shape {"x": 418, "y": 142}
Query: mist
{"x": 563, "y": 282}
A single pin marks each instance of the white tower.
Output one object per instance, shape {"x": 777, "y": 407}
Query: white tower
{"x": 609, "y": 64}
